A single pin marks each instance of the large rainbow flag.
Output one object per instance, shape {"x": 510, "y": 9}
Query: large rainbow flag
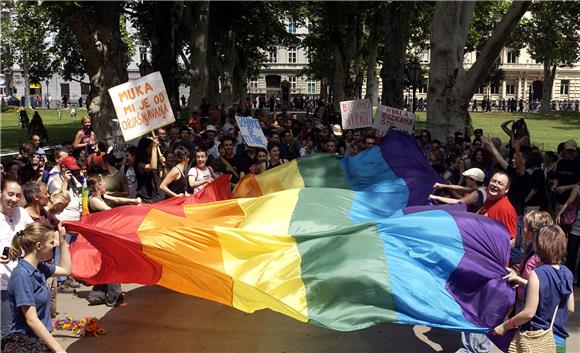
{"x": 341, "y": 243}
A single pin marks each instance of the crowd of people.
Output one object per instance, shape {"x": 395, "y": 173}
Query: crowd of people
{"x": 534, "y": 193}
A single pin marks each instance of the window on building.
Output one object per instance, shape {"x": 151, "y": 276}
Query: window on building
{"x": 293, "y": 83}
{"x": 254, "y": 84}
{"x": 424, "y": 57}
{"x": 512, "y": 57}
{"x": 481, "y": 89}
{"x": 85, "y": 88}
{"x": 511, "y": 87}
{"x": 273, "y": 55}
{"x": 311, "y": 85}
{"x": 292, "y": 26}
{"x": 292, "y": 55}
{"x": 64, "y": 89}
{"x": 309, "y": 54}
{"x": 494, "y": 88}
{"x": 564, "y": 87}
{"x": 142, "y": 53}
{"x": 423, "y": 87}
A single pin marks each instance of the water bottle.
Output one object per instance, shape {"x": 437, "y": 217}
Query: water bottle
{"x": 85, "y": 197}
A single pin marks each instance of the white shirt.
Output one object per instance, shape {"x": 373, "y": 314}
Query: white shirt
{"x": 199, "y": 174}
{"x": 72, "y": 212}
{"x": 9, "y": 226}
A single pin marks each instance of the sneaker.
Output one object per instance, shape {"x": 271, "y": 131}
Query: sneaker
{"x": 119, "y": 301}
{"x": 72, "y": 283}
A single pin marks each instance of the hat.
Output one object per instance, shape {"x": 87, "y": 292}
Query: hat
{"x": 475, "y": 174}
{"x": 570, "y": 145}
{"x": 210, "y": 128}
{"x": 70, "y": 163}
{"x": 336, "y": 130}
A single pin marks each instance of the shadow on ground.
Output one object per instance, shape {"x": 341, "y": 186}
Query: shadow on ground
{"x": 159, "y": 320}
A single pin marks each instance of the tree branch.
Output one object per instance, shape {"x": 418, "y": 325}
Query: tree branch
{"x": 480, "y": 69}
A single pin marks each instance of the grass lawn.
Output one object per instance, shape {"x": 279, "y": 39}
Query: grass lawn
{"x": 547, "y": 130}
{"x": 59, "y": 130}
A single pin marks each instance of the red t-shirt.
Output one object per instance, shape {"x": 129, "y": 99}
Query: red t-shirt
{"x": 502, "y": 211}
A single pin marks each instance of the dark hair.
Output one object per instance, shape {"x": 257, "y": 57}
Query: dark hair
{"x": 110, "y": 159}
{"x": 25, "y": 240}
{"x": 27, "y": 148}
{"x": 227, "y": 138}
{"x": 142, "y": 146}
{"x": 7, "y": 179}
{"x": 132, "y": 150}
{"x": 31, "y": 189}
{"x": 535, "y": 160}
{"x": 181, "y": 154}
{"x": 271, "y": 145}
{"x": 425, "y": 131}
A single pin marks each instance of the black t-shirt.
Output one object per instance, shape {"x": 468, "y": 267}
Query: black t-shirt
{"x": 567, "y": 173}
{"x": 148, "y": 184}
{"x": 239, "y": 164}
{"x": 538, "y": 183}
{"x": 519, "y": 188}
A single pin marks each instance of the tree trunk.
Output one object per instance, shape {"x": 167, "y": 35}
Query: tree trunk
{"x": 227, "y": 69}
{"x": 198, "y": 59}
{"x": 323, "y": 89}
{"x": 549, "y": 76}
{"x": 240, "y": 83}
{"x": 213, "y": 92}
{"x": 338, "y": 94}
{"x": 371, "y": 89}
{"x": 164, "y": 47}
{"x": 396, "y": 21}
{"x": 450, "y": 86}
{"x": 26, "y": 76}
{"x": 97, "y": 30}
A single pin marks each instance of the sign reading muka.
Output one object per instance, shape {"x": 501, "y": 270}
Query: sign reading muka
{"x": 142, "y": 105}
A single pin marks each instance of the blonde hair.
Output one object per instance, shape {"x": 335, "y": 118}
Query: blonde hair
{"x": 535, "y": 220}
{"x": 25, "y": 240}
{"x": 61, "y": 196}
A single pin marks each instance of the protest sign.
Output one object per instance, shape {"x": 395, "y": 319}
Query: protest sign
{"x": 142, "y": 105}
{"x": 387, "y": 117}
{"x": 356, "y": 114}
{"x": 251, "y": 131}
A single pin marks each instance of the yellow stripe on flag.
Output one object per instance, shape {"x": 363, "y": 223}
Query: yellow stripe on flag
{"x": 286, "y": 176}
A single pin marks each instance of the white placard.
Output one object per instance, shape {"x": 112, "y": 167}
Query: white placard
{"x": 356, "y": 114}
{"x": 387, "y": 117}
{"x": 251, "y": 131}
{"x": 142, "y": 105}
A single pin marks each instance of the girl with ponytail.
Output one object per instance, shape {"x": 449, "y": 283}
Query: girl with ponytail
{"x": 27, "y": 289}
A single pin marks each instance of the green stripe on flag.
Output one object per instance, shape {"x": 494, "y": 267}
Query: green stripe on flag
{"x": 343, "y": 264}
{"x": 322, "y": 170}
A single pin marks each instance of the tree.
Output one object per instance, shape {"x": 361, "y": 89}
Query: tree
{"x": 450, "y": 85}
{"x": 24, "y": 36}
{"x": 553, "y": 34}
{"x": 98, "y": 31}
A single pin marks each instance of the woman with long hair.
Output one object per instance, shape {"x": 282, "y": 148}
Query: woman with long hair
{"x": 274, "y": 152}
{"x": 176, "y": 183}
{"x": 29, "y": 295}
{"x": 148, "y": 170}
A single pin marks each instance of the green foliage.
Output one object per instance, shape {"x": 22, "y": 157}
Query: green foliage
{"x": 67, "y": 59}
{"x": 24, "y": 38}
{"x": 485, "y": 17}
{"x": 553, "y": 32}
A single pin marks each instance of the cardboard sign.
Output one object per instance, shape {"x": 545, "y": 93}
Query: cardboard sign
{"x": 387, "y": 117}
{"x": 142, "y": 105}
{"x": 251, "y": 131}
{"x": 356, "y": 114}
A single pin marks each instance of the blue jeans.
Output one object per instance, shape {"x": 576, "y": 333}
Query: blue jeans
{"x": 516, "y": 252}
{"x": 6, "y": 313}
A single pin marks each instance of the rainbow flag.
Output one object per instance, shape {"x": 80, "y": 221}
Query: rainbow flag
{"x": 344, "y": 257}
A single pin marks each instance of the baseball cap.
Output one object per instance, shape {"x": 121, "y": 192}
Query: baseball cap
{"x": 570, "y": 145}
{"x": 210, "y": 128}
{"x": 70, "y": 163}
{"x": 475, "y": 174}
{"x": 336, "y": 130}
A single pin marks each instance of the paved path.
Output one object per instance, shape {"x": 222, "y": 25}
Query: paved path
{"x": 159, "y": 320}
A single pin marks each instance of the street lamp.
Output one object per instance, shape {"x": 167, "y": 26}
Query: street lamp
{"x": 414, "y": 71}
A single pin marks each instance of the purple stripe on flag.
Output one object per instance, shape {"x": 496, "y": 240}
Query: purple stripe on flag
{"x": 403, "y": 156}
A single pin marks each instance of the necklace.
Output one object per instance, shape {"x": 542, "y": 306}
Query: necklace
{"x": 9, "y": 216}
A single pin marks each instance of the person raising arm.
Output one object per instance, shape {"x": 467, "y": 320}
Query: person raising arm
{"x": 27, "y": 289}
